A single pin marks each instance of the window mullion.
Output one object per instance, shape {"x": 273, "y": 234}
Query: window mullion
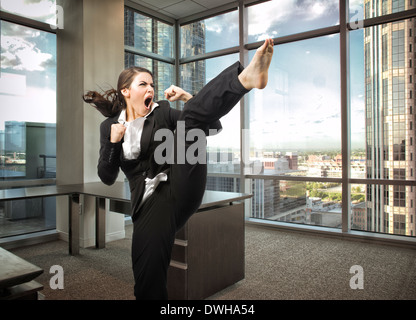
{"x": 345, "y": 114}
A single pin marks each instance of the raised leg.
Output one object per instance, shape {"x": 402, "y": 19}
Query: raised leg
{"x": 214, "y": 101}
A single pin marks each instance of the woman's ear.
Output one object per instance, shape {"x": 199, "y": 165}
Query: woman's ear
{"x": 125, "y": 92}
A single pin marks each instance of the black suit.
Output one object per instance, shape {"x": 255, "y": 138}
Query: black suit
{"x": 174, "y": 201}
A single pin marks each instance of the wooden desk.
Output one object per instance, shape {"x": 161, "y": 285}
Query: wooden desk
{"x": 208, "y": 253}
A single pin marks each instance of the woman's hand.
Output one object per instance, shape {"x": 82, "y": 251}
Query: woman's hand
{"x": 174, "y": 93}
{"x": 117, "y": 132}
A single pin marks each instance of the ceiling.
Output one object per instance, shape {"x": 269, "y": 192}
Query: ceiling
{"x": 178, "y": 9}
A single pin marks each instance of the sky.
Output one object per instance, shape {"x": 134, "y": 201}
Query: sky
{"x": 28, "y": 66}
{"x": 300, "y": 108}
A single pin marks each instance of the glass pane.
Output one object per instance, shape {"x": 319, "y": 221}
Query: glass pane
{"x": 295, "y": 120}
{"x": 280, "y": 18}
{"x": 383, "y": 208}
{"x": 311, "y": 203}
{"x": 223, "y": 183}
{"x": 148, "y": 34}
{"x": 360, "y": 9}
{"x": 224, "y": 148}
{"x": 163, "y": 73}
{"x": 27, "y": 216}
{"x": 357, "y": 103}
{"x": 382, "y": 102}
{"x": 28, "y": 103}
{"x": 209, "y": 35}
{"x": 40, "y": 10}
{"x": 27, "y": 123}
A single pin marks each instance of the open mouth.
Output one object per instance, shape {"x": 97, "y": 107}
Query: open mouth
{"x": 147, "y": 102}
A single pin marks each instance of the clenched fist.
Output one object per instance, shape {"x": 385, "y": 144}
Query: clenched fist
{"x": 174, "y": 93}
{"x": 117, "y": 132}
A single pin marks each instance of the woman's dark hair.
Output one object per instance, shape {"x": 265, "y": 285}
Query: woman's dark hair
{"x": 112, "y": 101}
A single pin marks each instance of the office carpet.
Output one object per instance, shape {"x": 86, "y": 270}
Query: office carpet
{"x": 280, "y": 265}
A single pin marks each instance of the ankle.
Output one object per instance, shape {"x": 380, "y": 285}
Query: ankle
{"x": 244, "y": 80}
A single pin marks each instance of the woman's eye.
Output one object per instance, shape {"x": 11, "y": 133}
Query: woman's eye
{"x": 144, "y": 84}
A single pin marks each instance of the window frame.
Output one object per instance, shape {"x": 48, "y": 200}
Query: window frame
{"x": 42, "y": 26}
{"x": 342, "y": 28}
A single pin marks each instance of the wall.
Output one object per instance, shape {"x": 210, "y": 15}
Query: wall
{"x": 90, "y": 55}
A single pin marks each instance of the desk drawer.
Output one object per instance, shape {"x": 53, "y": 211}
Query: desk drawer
{"x": 180, "y": 251}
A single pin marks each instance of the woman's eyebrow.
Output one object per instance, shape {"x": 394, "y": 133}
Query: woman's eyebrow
{"x": 145, "y": 82}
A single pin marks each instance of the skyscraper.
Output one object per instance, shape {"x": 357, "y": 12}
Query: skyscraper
{"x": 193, "y": 40}
{"x": 389, "y": 105}
{"x": 148, "y": 35}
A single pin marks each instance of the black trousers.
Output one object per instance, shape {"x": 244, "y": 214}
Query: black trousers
{"x": 173, "y": 202}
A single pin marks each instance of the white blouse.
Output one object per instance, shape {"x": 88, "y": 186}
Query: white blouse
{"x": 131, "y": 147}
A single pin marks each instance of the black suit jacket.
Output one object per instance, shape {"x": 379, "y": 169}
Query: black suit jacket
{"x": 111, "y": 158}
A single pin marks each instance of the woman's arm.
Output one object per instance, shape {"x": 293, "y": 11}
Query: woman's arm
{"x": 174, "y": 93}
{"x": 109, "y": 160}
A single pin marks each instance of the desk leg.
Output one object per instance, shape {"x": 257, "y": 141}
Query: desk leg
{"x": 99, "y": 222}
{"x": 73, "y": 226}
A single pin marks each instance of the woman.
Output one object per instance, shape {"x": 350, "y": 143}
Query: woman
{"x": 163, "y": 195}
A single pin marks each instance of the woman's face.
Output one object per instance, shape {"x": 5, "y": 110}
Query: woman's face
{"x": 139, "y": 96}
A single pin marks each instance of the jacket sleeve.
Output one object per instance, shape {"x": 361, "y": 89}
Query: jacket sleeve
{"x": 174, "y": 115}
{"x": 109, "y": 160}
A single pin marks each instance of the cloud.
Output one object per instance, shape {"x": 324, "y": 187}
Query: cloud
{"x": 18, "y": 53}
{"x": 216, "y": 28}
{"x": 225, "y": 22}
{"x": 275, "y": 17}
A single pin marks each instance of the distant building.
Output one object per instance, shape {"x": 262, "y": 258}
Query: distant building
{"x": 389, "y": 107}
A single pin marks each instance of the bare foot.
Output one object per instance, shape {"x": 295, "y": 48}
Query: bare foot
{"x": 256, "y": 73}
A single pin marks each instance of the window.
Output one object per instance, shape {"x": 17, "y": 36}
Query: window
{"x": 399, "y": 141}
{"x": 149, "y": 44}
{"x": 299, "y": 109}
{"x": 209, "y": 35}
{"x": 399, "y": 222}
{"x": 377, "y": 8}
{"x": 296, "y": 127}
{"x": 28, "y": 116}
{"x": 385, "y": 52}
{"x": 223, "y": 149}
{"x": 281, "y": 18}
{"x": 398, "y": 95}
{"x": 148, "y": 34}
{"x": 398, "y": 48}
{"x": 218, "y": 33}
{"x": 399, "y": 191}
